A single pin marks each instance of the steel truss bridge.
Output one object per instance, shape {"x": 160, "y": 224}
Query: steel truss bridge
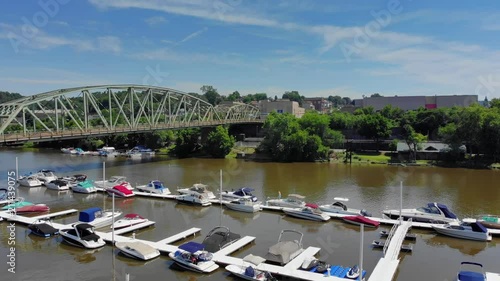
{"x": 109, "y": 109}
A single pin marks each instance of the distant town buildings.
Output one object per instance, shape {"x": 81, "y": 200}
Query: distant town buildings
{"x": 415, "y": 102}
{"x": 320, "y": 104}
{"x": 281, "y": 106}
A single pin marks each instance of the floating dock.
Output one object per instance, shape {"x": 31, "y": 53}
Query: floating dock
{"x": 492, "y": 276}
{"x": 29, "y": 220}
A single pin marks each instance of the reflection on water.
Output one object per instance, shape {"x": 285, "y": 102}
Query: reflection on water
{"x": 466, "y": 247}
{"x": 242, "y": 217}
{"x": 80, "y": 255}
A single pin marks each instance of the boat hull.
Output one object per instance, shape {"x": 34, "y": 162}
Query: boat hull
{"x": 468, "y": 235}
{"x": 243, "y": 208}
{"x": 126, "y": 223}
{"x": 131, "y": 252}
{"x": 300, "y": 215}
{"x": 74, "y": 241}
{"x": 203, "y": 267}
{"x": 240, "y": 272}
{"x": 83, "y": 190}
{"x": 360, "y": 220}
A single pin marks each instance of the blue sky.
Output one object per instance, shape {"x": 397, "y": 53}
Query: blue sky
{"x": 320, "y": 48}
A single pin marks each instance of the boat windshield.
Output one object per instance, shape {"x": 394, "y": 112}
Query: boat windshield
{"x": 429, "y": 210}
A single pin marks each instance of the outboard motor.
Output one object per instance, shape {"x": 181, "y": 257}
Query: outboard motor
{"x": 365, "y": 213}
{"x": 309, "y": 263}
{"x": 322, "y": 266}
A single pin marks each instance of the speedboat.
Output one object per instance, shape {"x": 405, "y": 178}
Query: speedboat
{"x": 43, "y": 228}
{"x": 82, "y": 235}
{"x": 284, "y": 251}
{"x": 46, "y": 176}
{"x": 4, "y": 194}
{"x": 128, "y": 220}
{"x": 292, "y": 201}
{"x": 75, "y": 179}
{"x": 59, "y": 185}
{"x": 469, "y": 275}
{"x": 244, "y": 205}
{"x": 198, "y": 188}
{"x": 154, "y": 186}
{"x": 137, "y": 250}
{"x": 244, "y": 192}
{"x": 192, "y": 256}
{"x": 247, "y": 270}
{"x": 489, "y": 221}
{"x": 307, "y": 213}
{"x": 97, "y": 217}
{"x": 22, "y": 206}
{"x": 432, "y": 213}
{"x": 30, "y": 181}
{"x": 84, "y": 187}
{"x": 359, "y": 220}
{"x": 218, "y": 238}
{"x": 471, "y": 231}
{"x": 120, "y": 191}
{"x": 193, "y": 198}
{"x": 353, "y": 272}
{"x": 114, "y": 181}
{"x": 340, "y": 208}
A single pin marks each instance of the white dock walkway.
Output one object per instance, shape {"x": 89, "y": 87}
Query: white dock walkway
{"x": 240, "y": 243}
{"x": 387, "y": 265}
{"x": 490, "y": 276}
{"x": 180, "y": 236}
{"x": 134, "y": 227}
{"x": 29, "y": 220}
{"x": 56, "y": 214}
{"x": 298, "y": 260}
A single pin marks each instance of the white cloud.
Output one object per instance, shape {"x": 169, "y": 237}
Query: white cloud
{"x": 491, "y": 27}
{"x": 109, "y": 43}
{"x": 193, "y": 35}
{"x": 62, "y": 23}
{"x": 155, "y": 20}
{"x": 167, "y": 54}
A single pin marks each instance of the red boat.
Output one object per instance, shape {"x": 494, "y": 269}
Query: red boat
{"x": 38, "y": 208}
{"x": 120, "y": 191}
{"x": 358, "y": 220}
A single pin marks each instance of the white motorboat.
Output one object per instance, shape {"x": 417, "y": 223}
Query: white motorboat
{"x": 285, "y": 250}
{"x": 97, "y": 217}
{"x": 84, "y": 187}
{"x": 307, "y": 213}
{"x": 469, "y": 275}
{"x": 471, "y": 231}
{"x": 191, "y": 256}
{"x": 247, "y": 270}
{"x": 30, "y": 181}
{"x": 82, "y": 235}
{"x": 244, "y": 205}
{"x": 154, "y": 186}
{"x": 43, "y": 228}
{"x": 46, "y": 176}
{"x": 137, "y": 250}
{"x": 244, "y": 192}
{"x": 193, "y": 198}
{"x": 128, "y": 220}
{"x": 120, "y": 191}
{"x": 198, "y": 188}
{"x": 59, "y": 185}
{"x": 114, "y": 181}
{"x": 433, "y": 213}
{"x": 75, "y": 179}
{"x": 292, "y": 201}
{"x": 340, "y": 208}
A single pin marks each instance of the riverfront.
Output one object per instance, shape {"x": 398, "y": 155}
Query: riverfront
{"x": 374, "y": 188}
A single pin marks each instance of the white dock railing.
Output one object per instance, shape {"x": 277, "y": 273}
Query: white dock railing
{"x": 389, "y": 237}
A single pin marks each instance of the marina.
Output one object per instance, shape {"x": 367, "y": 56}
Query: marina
{"x": 233, "y": 254}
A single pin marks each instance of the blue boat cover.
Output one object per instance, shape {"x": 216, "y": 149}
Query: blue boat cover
{"x": 250, "y": 272}
{"x": 447, "y": 213}
{"x": 157, "y": 184}
{"x": 89, "y": 214}
{"x": 192, "y": 247}
{"x": 244, "y": 191}
{"x": 478, "y": 227}
{"x": 470, "y": 276}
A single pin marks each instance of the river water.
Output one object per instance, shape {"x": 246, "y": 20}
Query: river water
{"x": 466, "y": 192}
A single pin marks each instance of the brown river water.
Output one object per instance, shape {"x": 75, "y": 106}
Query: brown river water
{"x": 466, "y": 192}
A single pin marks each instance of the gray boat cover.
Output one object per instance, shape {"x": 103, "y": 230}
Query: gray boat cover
{"x": 282, "y": 251}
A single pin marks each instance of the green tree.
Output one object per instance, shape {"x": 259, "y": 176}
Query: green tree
{"x": 342, "y": 120}
{"x": 293, "y": 96}
{"x": 186, "y": 142}
{"x": 234, "y": 96}
{"x": 219, "y": 142}
{"x": 211, "y": 94}
{"x": 495, "y": 103}
{"x": 336, "y": 100}
{"x": 413, "y": 140}
{"x": 374, "y": 126}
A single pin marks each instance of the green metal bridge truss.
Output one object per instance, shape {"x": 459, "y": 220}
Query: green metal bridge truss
{"x": 109, "y": 109}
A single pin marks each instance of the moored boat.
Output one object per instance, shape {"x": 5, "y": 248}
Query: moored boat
{"x": 82, "y": 235}
{"x": 113, "y": 181}
{"x": 30, "y": 181}
{"x": 470, "y": 231}
{"x": 199, "y": 188}
{"x": 46, "y": 176}
{"x": 359, "y": 220}
{"x": 97, "y": 217}
{"x": 43, "y": 228}
{"x": 193, "y": 198}
{"x": 340, "y": 208}
{"x": 489, "y": 221}
{"x": 219, "y": 238}
{"x": 244, "y": 192}
{"x": 85, "y": 187}
{"x": 59, "y": 185}
{"x": 432, "y": 213}
{"x": 154, "y": 186}
{"x": 120, "y": 191}
{"x": 192, "y": 256}
{"x": 128, "y": 220}
{"x": 307, "y": 213}
{"x": 469, "y": 274}
{"x": 285, "y": 250}
{"x": 292, "y": 201}
{"x": 22, "y": 206}
{"x": 244, "y": 205}
{"x": 137, "y": 250}
{"x": 247, "y": 270}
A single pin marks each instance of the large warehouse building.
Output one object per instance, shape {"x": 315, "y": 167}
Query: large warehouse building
{"x": 415, "y": 102}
